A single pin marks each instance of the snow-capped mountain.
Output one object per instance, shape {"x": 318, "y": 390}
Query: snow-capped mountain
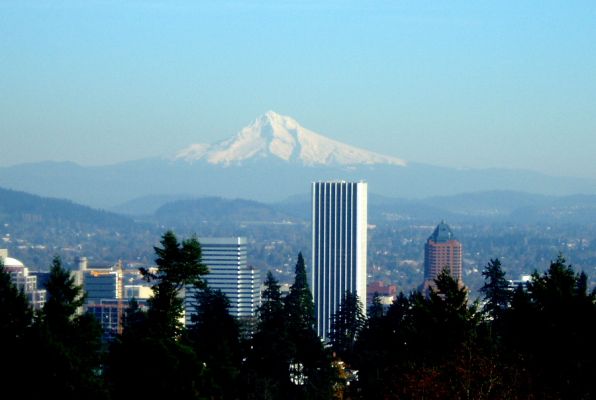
{"x": 269, "y": 160}
{"x": 274, "y": 135}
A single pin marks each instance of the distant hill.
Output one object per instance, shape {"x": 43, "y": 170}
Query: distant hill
{"x": 518, "y": 206}
{"x": 35, "y": 228}
{"x": 217, "y": 209}
{"x": 147, "y": 205}
{"x": 504, "y": 206}
{"x": 20, "y": 206}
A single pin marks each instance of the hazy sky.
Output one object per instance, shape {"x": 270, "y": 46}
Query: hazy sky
{"x": 463, "y": 84}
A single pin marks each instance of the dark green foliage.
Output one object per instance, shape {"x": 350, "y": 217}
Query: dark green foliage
{"x": 271, "y": 303}
{"x": 539, "y": 347}
{"x": 378, "y": 344}
{"x": 298, "y": 303}
{"x": 151, "y": 368}
{"x": 64, "y": 298}
{"x": 266, "y": 372}
{"x": 346, "y": 324}
{"x": 552, "y": 328}
{"x": 423, "y": 347}
{"x": 179, "y": 264}
{"x": 536, "y": 342}
{"x": 287, "y": 359}
{"x": 149, "y": 360}
{"x": 307, "y": 352}
{"x": 15, "y": 314}
{"x": 214, "y": 337}
{"x": 450, "y": 315}
{"x": 495, "y": 290}
{"x": 67, "y": 343}
{"x": 376, "y": 310}
{"x": 16, "y": 318}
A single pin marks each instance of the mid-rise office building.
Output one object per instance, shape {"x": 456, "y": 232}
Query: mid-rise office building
{"x": 103, "y": 294}
{"x": 226, "y": 259}
{"x": 442, "y": 251}
{"x": 100, "y": 282}
{"x": 23, "y": 280}
{"x": 339, "y": 243}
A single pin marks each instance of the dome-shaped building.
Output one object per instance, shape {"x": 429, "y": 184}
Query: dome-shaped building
{"x": 10, "y": 262}
{"x": 20, "y": 277}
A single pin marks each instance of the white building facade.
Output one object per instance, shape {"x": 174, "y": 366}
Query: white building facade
{"x": 23, "y": 280}
{"x": 339, "y": 245}
{"x": 229, "y": 272}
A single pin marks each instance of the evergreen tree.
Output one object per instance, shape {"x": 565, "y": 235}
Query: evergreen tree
{"x": 309, "y": 361}
{"x": 496, "y": 289}
{"x": 127, "y": 350}
{"x": 64, "y": 299}
{"x": 346, "y": 324}
{"x": 376, "y": 348}
{"x": 214, "y": 336}
{"x": 16, "y": 315}
{"x": 134, "y": 320}
{"x": 179, "y": 265}
{"x": 267, "y": 369}
{"x": 376, "y": 310}
{"x": 272, "y": 306}
{"x": 450, "y": 315}
{"x": 152, "y": 340}
{"x": 298, "y": 303}
{"x": 16, "y": 318}
{"x": 563, "y": 316}
{"x": 67, "y": 343}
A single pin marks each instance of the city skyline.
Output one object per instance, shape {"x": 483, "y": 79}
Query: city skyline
{"x": 460, "y": 85}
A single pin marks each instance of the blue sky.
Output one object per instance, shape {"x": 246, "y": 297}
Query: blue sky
{"x": 464, "y": 84}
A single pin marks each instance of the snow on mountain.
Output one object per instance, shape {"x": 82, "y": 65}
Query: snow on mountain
{"x": 274, "y": 135}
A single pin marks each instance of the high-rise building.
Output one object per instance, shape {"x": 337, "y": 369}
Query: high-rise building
{"x": 229, "y": 272}
{"x": 442, "y": 251}
{"x": 339, "y": 223}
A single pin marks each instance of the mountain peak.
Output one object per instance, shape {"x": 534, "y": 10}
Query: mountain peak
{"x": 282, "y": 137}
{"x": 273, "y": 116}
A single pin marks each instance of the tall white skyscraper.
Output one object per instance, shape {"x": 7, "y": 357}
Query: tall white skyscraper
{"x": 339, "y": 222}
{"x": 230, "y": 273}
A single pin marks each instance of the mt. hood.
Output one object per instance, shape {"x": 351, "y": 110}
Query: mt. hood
{"x": 274, "y": 135}
{"x": 270, "y": 160}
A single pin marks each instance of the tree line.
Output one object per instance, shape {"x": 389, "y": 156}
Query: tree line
{"x": 532, "y": 342}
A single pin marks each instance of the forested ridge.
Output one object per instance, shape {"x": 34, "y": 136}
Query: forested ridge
{"x": 534, "y": 342}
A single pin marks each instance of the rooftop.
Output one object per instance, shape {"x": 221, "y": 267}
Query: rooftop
{"x": 442, "y": 233}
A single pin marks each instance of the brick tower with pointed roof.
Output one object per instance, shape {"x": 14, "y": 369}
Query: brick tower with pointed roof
{"x": 442, "y": 251}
